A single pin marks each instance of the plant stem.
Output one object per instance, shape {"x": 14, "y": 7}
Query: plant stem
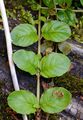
{"x": 38, "y": 86}
{"x": 39, "y": 33}
{"x": 80, "y": 10}
{"x": 55, "y": 6}
{"x": 77, "y": 11}
{"x": 38, "y": 117}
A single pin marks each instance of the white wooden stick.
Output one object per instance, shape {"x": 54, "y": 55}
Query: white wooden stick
{"x": 9, "y": 48}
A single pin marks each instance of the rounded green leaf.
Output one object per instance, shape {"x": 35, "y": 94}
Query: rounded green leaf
{"x": 52, "y": 3}
{"x": 54, "y": 100}
{"x": 23, "y": 102}
{"x": 66, "y": 2}
{"x": 54, "y": 64}
{"x": 81, "y": 1}
{"x": 35, "y": 7}
{"x": 24, "y": 35}
{"x": 49, "y": 3}
{"x": 56, "y": 31}
{"x": 67, "y": 16}
{"x": 26, "y": 61}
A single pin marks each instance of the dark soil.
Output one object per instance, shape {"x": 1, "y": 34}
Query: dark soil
{"x": 26, "y": 81}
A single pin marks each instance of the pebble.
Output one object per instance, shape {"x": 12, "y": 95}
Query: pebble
{"x": 73, "y": 111}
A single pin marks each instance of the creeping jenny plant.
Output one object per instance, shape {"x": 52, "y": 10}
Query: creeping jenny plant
{"x": 54, "y": 64}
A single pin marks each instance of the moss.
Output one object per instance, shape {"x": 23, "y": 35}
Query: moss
{"x": 73, "y": 84}
{"x": 1, "y": 118}
{"x": 54, "y": 117}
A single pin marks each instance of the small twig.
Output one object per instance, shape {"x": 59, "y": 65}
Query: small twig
{"x": 38, "y": 116}
{"x": 9, "y": 48}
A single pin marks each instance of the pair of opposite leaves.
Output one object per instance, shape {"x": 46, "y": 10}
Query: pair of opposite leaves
{"x": 53, "y": 100}
{"x": 52, "y": 3}
{"x": 52, "y": 65}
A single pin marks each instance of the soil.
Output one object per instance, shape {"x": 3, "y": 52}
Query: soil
{"x": 26, "y": 81}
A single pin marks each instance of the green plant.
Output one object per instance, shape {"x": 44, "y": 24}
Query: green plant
{"x": 53, "y": 64}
